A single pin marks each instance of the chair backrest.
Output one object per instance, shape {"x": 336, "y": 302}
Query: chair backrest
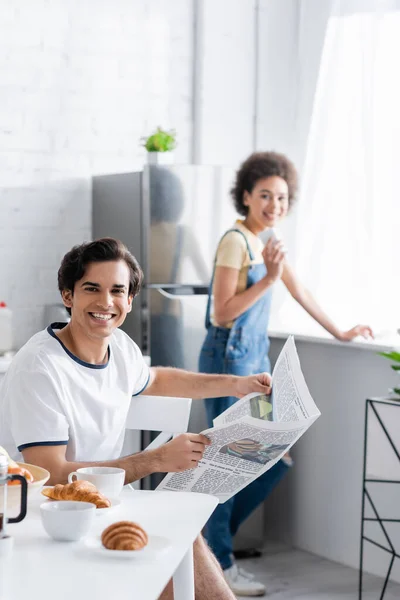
{"x": 159, "y": 413}
{"x": 155, "y": 413}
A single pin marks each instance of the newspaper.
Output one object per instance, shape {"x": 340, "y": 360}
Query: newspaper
{"x": 252, "y": 435}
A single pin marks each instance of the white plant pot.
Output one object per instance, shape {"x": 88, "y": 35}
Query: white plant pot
{"x": 160, "y": 158}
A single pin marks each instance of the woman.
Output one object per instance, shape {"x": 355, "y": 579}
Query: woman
{"x": 237, "y": 340}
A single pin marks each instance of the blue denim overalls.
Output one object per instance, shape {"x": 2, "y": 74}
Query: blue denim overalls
{"x": 241, "y": 350}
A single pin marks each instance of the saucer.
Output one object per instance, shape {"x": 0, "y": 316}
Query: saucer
{"x": 155, "y": 546}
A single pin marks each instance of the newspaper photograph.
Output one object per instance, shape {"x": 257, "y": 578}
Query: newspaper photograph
{"x": 251, "y": 436}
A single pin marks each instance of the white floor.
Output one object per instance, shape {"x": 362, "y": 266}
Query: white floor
{"x": 297, "y": 575}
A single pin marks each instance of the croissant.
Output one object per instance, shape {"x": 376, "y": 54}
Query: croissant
{"x": 82, "y": 491}
{"x": 124, "y": 535}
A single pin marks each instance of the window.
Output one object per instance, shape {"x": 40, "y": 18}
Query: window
{"x": 347, "y": 249}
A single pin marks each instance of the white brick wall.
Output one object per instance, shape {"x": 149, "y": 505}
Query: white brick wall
{"x": 80, "y": 83}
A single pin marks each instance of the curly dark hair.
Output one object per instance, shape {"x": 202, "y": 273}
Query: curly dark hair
{"x": 258, "y": 166}
{"x": 75, "y": 262}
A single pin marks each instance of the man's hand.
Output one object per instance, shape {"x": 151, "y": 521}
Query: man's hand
{"x": 183, "y": 452}
{"x": 253, "y": 383}
{"x": 359, "y": 330}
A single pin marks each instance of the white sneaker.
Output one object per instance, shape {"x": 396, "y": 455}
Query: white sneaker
{"x": 242, "y": 583}
{"x": 245, "y": 573}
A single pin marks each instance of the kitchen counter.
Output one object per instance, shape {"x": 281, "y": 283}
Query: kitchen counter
{"x": 318, "y": 507}
{"x": 381, "y": 343}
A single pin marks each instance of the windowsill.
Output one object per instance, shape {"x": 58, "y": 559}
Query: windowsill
{"x": 379, "y": 344}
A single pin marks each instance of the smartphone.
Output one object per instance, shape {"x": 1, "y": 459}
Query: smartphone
{"x": 267, "y": 235}
{"x": 271, "y": 233}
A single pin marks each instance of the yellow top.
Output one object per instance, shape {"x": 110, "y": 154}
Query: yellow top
{"x": 232, "y": 252}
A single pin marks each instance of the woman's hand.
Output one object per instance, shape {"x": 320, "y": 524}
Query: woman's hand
{"x": 274, "y": 256}
{"x": 363, "y": 330}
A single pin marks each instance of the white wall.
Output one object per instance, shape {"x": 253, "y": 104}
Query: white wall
{"x": 291, "y": 37}
{"x": 81, "y": 82}
{"x": 277, "y": 75}
{"x": 226, "y": 77}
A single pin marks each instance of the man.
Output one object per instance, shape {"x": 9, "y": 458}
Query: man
{"x": 67, "y": 392}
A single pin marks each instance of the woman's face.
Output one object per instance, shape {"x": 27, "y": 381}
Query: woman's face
{"x": 268, "y": 202}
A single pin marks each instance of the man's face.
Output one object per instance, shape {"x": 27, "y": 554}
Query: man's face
{"x": 100, "y": 301}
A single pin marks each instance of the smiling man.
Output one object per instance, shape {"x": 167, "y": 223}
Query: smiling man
{"x": 66, "y": 395}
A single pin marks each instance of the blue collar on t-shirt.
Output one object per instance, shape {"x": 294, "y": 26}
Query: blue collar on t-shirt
{"x": 75, "y": 358}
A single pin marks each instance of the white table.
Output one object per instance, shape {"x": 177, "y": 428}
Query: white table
{"x": 40, "y": 567}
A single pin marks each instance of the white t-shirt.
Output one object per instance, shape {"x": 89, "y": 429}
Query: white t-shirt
{"x": 51, "y": 397}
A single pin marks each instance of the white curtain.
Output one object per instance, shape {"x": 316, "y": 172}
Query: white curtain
{"x": 347, "y": 237}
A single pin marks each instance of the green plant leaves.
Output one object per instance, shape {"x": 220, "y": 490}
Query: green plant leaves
{"x": 396, "y": 357}
{"x": 391, "y": 355}
{"x": 160, "y": 141}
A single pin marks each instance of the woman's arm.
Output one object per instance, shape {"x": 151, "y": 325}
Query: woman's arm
{"x": 310, "y": 305}
{"x": 228, "y": 305}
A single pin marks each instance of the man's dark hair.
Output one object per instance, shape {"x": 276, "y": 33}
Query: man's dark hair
{"x": 75, "y": 262}
{"x": 258, "y": 166}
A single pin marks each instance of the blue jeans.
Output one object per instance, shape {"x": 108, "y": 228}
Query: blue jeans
{"x": 242, "y": 357}
{"x": 227, "y": 518}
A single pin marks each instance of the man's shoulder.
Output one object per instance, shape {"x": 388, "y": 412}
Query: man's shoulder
{"x": 34, "y": 354}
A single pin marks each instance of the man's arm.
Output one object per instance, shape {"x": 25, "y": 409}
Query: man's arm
{"x": 183, "y": 452}
{"x": 165, "y": 381}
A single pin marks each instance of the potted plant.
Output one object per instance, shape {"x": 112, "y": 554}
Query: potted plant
{"x": 395, "y": 356}
{"x": 160, "y": 146}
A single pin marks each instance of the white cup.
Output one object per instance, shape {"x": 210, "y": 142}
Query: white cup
{"x": 67, "y": 520}
{"x": 108, "y": 480}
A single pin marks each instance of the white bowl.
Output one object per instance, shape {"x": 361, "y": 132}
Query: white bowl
{"x": 67, "y": 520}
{"x": 40, "y": 476}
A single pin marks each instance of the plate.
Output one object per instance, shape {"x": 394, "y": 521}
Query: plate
{"x": 40, "y": 476}
{"x": 155, "y": 546}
